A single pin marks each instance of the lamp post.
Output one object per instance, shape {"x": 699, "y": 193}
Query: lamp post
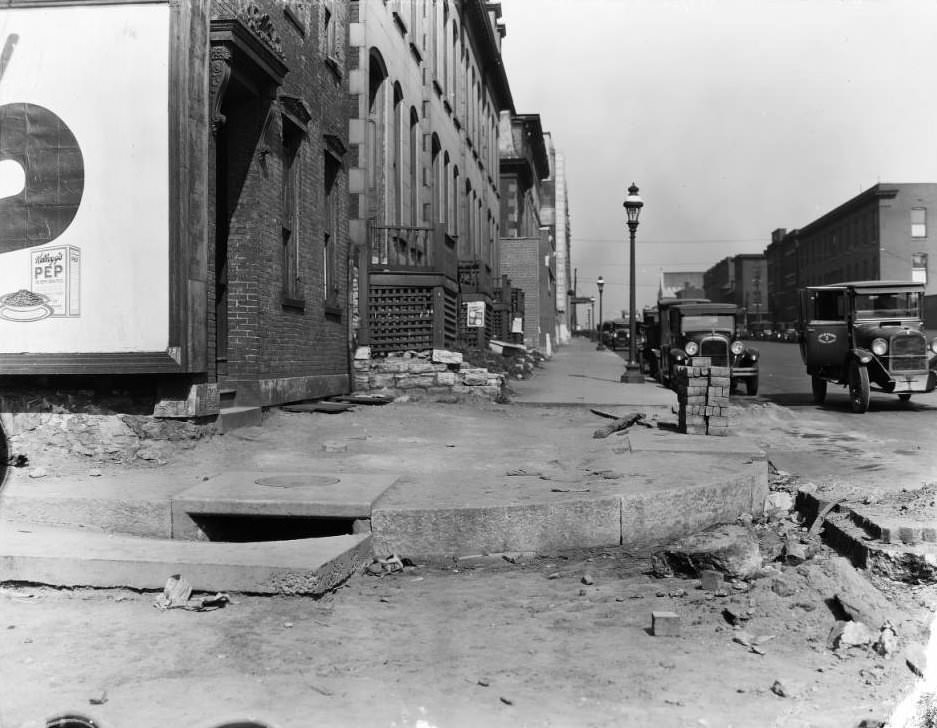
{"x": 600, "y": 284}
{"x": 633, "y": 204}
{"x": 592, "y": 325}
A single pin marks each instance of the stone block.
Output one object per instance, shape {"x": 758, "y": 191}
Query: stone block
{"x": 363, "y": 353}
{"x": 719, "y": 381}
{"x": 909, "y": 534}
{"x": 729, "y": 549}
{"x": 382, "y": 379}
{"x": 420, "y": 366}
{"x": 701, "y": 361}
{"x": 416, "y": 381}
{"x": 442, "y": 356}
{"x": 474, "y": 377}
{"x": 665, "y": 624}
{"x": 929, "y": 534}
{"x": 446, "y": 379}
{"x": 719, "y": 371}
{"x": 198, "y": 400}
{"x": 710, "y": 580}
{"x": 717, "y": 421}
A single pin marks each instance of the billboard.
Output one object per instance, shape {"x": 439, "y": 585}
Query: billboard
{"x": 84, "y": 178}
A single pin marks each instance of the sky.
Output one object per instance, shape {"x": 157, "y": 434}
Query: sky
{"x": 734, "y": 118}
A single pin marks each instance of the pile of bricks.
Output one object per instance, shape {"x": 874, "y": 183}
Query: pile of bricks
{"x": 703, "y": 397}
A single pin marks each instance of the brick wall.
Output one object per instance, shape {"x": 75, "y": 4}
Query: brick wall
{"x": 521, "y": 262}
{"x": 279, "y": 349}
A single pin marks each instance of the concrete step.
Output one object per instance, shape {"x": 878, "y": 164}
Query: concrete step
{"x": 232, "y": 418}
{"x": 82, "y": 557}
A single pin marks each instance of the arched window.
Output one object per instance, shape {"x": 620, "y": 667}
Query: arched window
{"x": 444, "y": 211}
{"x": 414, "y": 176}
{"x": 375, "y": 148}
{"x": 396, "y": 160}
{"x": 435, "y": 212}
{"x": 453, "y": 202}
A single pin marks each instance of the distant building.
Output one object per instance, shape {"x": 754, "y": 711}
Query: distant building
{"x": 742, "y": 280}
{"x": 881, "y": 234}
{"x": 527, "y": 254}
{"x": 683, "y": 284}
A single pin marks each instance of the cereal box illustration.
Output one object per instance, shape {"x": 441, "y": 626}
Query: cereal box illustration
{"x": 56, "y": 275}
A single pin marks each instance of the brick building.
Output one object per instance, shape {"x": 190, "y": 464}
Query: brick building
{"x": 527, "y": 245}
{"x": 277, "y": 228}
{"x": 882, "y": 233}
{"x": 427, "y": 86}
{"x": 742, "y": 280}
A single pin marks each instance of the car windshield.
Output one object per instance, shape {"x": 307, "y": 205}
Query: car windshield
{"x": 899, "y": 304}
{"x": 709, "y": 322}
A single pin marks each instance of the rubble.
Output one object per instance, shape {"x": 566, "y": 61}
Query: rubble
{"x": 729, "y": 549}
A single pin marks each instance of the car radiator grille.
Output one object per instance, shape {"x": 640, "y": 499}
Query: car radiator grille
{"x": 908, "y": 352}
{"x": 717, "y": 350}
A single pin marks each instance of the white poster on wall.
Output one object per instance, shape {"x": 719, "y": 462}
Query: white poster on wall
{"x": 84, "y": 175}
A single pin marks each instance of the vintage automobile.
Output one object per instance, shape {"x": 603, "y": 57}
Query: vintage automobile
{"x": 616, "y": 334}
{"x": 867, "y": 334}
{"x": 705, "y": 329}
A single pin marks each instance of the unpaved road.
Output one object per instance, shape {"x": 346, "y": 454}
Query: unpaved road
{"x": 485, "y": 643}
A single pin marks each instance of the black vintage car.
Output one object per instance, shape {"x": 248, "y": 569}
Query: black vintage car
{"x": 709, "y": 330}
{"x": 866, "y": 334}
{"x": 615, "y": 334}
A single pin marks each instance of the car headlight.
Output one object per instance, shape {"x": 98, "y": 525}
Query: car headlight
{"x": 691, "y": 348}
{"x": 737, "y": 347}
{"x": 879, "y": 347}
{"x": 933, "y": 346}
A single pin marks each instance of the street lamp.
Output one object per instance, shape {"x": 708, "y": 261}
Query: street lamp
{"x": 592, "y": 325}
{"x": 633, "y": 204}
{"x": 600, "y": 284}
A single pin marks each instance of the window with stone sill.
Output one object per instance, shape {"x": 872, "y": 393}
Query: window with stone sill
{"x": 331, "y": 288}
{"x": 291, "y": 157}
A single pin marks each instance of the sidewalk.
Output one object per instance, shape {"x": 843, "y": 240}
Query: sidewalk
{"x": 455, "y": 480}
{"x": 579, "y": 374}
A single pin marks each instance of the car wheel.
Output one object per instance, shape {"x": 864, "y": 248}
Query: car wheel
{"x": 733, "y": 386}
{"x": 819, "y": 389}
{"x": 751, "y": 386}
{"x": 859, "y": 392}
{"x": 904, "y": 396}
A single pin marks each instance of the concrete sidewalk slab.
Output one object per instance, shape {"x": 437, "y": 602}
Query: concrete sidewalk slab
{"x": 75, "y": 557}
{"x": 644, "y": 500}
{"x": 579, "y": 374}
{"x": 267, "y": 494}
{"x": 134, "y": 502}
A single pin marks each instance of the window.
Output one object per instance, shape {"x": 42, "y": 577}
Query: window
{"x": 289, "y": 210}
{"x": 918, "y": 222}
{"x": 330, "y": 234}
{"x": 414, "y": 164}
{"x": 919, "y": 267}
{"x": 396, "y": 162}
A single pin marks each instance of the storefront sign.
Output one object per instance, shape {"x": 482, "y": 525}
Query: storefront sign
{"x": 84, "y": 178}
{"x": 475, "y": 314}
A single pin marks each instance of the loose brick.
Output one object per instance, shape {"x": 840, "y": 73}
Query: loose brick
{"x": 665, "y": 624}
{"x": 701, "y": 361}
{"x": 710, "y": 580}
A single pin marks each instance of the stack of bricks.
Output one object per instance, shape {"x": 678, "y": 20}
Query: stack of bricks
{"x": 703, "y": 397}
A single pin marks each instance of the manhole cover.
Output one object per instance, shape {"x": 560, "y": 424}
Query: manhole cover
{"x": 296, "y": 481}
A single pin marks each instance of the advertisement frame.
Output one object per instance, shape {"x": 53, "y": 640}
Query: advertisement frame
{"x": 187, "y": 258}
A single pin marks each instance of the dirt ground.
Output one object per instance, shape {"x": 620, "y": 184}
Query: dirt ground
{"x": 559, "y": 639}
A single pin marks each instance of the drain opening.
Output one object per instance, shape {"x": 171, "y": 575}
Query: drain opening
{"x": 242, "y": 529}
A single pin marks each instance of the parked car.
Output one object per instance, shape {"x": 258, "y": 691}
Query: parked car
{"x": 616, "y": 334}
{"x": 791, "y": 335}
{"x": 705, "y": 329}
{"x": 865, "y": 335}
